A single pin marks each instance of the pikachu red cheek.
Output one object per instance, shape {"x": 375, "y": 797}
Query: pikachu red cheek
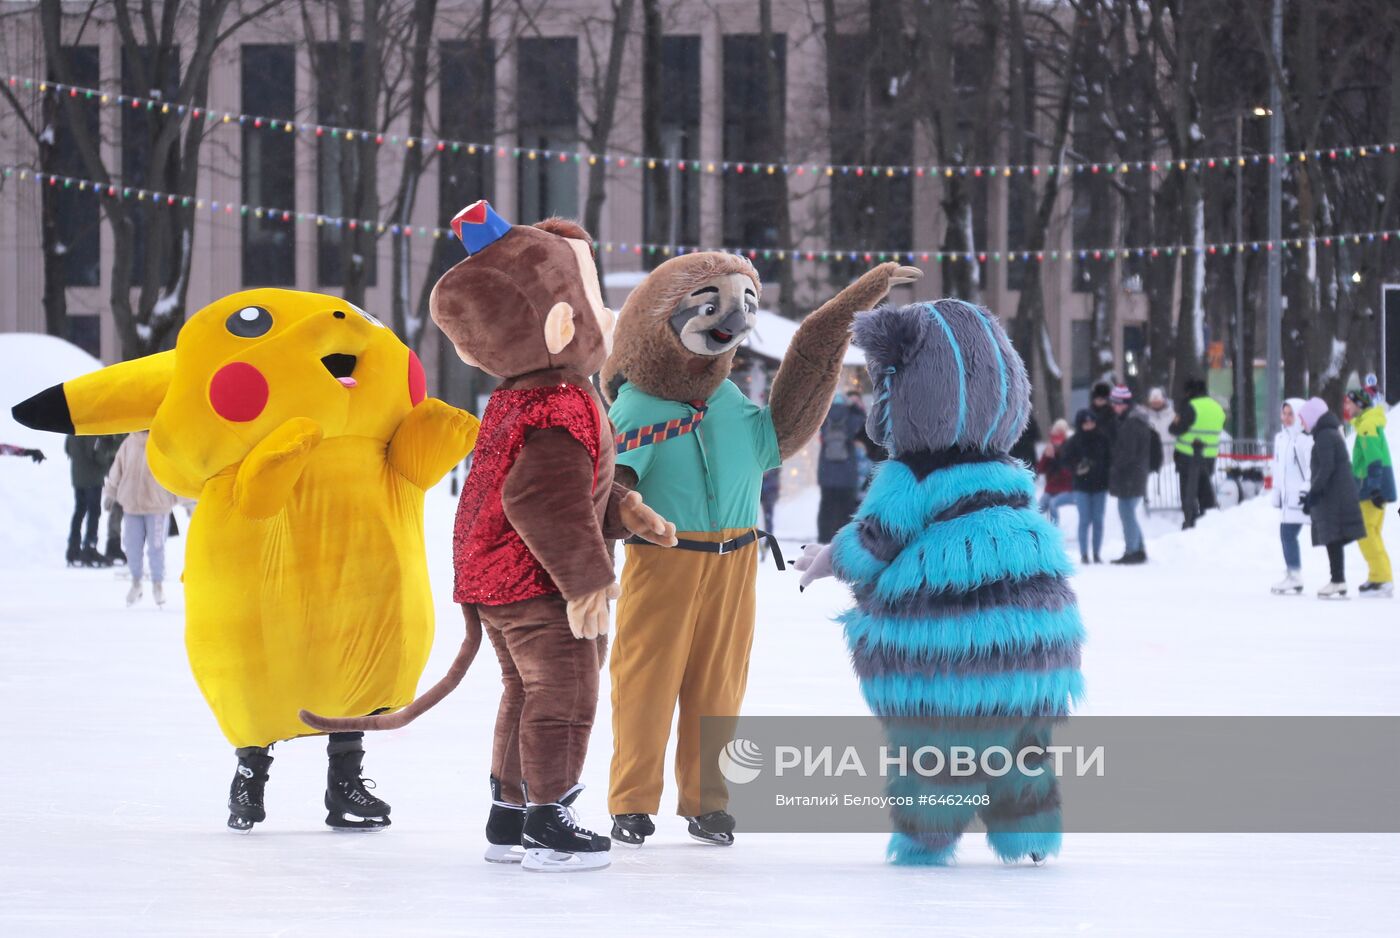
{"x": 238, "y": 392}
{"x": 417, "y": 380}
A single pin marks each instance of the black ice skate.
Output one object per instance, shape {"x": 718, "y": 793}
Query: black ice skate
{"x": 349, "y": 805}
{"x": 245, "y": 795}
{"x": 91, "y": 558}
{"x": 115, "y": 556}
{"x": 717, "y": 828}
{"x": 504, "y": 826}
{"x": 554, "y": 842}
{"x": 75, "y": 556}
{"x": 632, "y": 829}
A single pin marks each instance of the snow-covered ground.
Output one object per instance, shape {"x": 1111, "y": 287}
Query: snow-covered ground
{"x": 114, "y": 774}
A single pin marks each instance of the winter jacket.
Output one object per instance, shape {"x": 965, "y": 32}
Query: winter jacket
{"x": 1087, "y": 455}
{"x": 1058, "y": 477}
{"x": 1332, "y": 500}
{"x": 1131, "y": 461}
{"x": 1292, "y": 470}
{"x": 837, "y": 466}
{"x": 130, "y": 483}
{"x": 1370, "y": 457}
{"x": 91, "y": 457}
{"x": 1161, "y": 421}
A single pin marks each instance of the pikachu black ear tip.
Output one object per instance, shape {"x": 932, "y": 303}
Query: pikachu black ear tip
{"x": 47, "y": 410}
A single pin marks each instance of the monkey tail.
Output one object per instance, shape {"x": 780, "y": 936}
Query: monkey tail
{"x": 400, "y": 718}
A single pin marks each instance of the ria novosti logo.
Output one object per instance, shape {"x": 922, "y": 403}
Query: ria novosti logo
{"x": 740, "y": 761}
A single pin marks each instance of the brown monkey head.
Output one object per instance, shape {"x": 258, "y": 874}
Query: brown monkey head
{"x": 678, "y": 331}
{"x": 526, "y": 298}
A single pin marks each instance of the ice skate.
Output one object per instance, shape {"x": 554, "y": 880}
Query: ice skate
{"x": 504, "y": 826}
{"x": 1333, "y": 591}
{"x": 133, "y": 595}
{"x": 349, "y": 805}
{"x": 75, "y": 556}
{"x": 717, "y": 828}
{"x": 1371, "y": 590}
{"x": 158, "y": 593}
{"x": 115, "y": 556}
{"x": 555, "y": 843}
{"x": 632, "y": 829}
{"x": 1290, "y": 585}
{"x": 245, "y": 795}
{"x": 91, "y": 558}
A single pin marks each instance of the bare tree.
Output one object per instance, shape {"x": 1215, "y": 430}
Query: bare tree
{"x": 607, "y": 79}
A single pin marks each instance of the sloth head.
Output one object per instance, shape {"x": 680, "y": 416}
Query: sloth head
{"x": 677, "y": 332}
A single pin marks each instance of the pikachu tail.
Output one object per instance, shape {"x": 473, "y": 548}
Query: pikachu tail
{"x": 400, "y": 718}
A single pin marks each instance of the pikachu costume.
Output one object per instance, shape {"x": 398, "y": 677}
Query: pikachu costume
{"x": 302, "y": 427}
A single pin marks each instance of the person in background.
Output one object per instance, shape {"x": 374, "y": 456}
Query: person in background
{"x": 1161, "y": 413}
{"x": 1024, "y": 449}
{"x": 1372, "y": 387}
{"x": 1129, "y": 466}
{"x": 90, "y": 457}
{"x": 146, "y": 506}
{"x": 9, "y": 449}
{"x": 1375, "y": 484}
{"x": 1290, "y": 474}
{"x": 1087, "y": 454}
{"x": 1059, "y": 480}
{"x": 1102, "y": 408}
{"x": 838, "y": 470}
{"x": 1332, "y": 503}
{"x": 1199, "y": 421}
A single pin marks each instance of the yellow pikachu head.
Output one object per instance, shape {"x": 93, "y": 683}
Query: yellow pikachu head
{"x": 241, "y": 367}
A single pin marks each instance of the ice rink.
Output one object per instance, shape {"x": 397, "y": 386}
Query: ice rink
{"x": 114, "y": 774}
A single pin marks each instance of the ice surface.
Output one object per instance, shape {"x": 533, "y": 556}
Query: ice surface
{"x": 115, "y": 775}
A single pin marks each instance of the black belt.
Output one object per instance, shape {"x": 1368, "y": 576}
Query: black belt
{"x": 725, "y": 547}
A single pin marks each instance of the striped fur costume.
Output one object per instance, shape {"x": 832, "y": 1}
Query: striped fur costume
{"x": 965, "y": 629}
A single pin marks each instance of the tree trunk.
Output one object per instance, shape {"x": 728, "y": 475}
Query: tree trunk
{"x": 602, "y": 128}
{"x": 777, "y": 153}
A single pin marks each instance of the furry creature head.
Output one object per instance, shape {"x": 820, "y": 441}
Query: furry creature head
{"x": 945, "y": 377}
{"x": 678, "y": 330}
{"x": 527, "y": 300}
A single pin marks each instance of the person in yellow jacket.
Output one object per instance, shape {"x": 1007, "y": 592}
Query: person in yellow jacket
{"x": 1197, "y": 427}
{"x": 302, "y": 426}
{"x": 1375, "y": 483}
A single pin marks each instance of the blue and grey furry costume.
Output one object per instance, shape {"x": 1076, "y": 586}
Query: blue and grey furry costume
{"x": 965, "y": 629}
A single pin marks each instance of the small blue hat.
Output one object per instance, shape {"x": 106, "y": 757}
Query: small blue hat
{"x": 478, "y": 226}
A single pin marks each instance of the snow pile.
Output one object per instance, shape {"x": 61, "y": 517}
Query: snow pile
{"x": 37, "y": 499}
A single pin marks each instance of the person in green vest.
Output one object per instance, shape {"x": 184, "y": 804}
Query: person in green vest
{"x": 1199, "y": 421}
{"x": 1375, "y": 483}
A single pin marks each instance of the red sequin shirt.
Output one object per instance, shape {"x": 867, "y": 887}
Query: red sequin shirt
{"x": 493, "y": 565}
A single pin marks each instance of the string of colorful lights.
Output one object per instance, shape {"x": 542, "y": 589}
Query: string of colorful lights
{"x": 288, "y": 216}
{"x": 221, "y": 117}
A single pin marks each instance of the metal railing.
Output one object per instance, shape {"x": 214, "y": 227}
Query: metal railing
{"x": 1240, "y": 469}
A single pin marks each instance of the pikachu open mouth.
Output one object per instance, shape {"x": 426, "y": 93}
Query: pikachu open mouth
{"x": 341, "y": 367}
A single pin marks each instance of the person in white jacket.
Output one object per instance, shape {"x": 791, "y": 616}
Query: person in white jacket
{"x": 1292, "y": 459}
{"x": 147, "y": 509}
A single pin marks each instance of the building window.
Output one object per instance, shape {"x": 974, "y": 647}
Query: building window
{"x": 269, "y": 166}
{"x": 466, "y": 113}
{"x": 85, "y": 331}
{"x": 77, "y": 215}
{"x": 547, "y": 107}
{"x": 869, "y": 212}
{"x": 671, "y": 209}
{"x": 753, "y": 200}
{"x": 338, "y": 159}
{"x": 146, "y": 75}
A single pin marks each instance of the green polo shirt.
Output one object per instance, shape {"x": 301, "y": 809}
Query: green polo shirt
{"x": 708, "y": 479}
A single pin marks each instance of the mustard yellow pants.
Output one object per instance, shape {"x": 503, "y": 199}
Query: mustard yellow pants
{"x": 685, "y": 625}
{"x": 1372, "y": 547}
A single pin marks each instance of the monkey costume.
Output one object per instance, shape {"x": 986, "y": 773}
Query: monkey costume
{"x": 697, "y": 449}
{"x": 531, "y": 561}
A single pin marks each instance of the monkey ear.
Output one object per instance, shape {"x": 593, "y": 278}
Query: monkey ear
{"x": 559, "y": 328}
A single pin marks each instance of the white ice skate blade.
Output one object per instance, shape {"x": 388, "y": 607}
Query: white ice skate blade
{"x": 1294, "y": 591}
{"x": 544, "y": 860}
{"x": 504, "y": 853}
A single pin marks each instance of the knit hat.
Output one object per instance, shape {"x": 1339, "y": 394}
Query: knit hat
{"x": 1156, "y": 395}
{"x": 1121, "y": 394}
{"x": 1311, "y": 412}
{"x": 1359, "y": 398}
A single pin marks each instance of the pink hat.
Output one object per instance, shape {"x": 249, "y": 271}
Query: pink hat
{"x": 1311, "y": 411}
{"x": 1121, "y": 394}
